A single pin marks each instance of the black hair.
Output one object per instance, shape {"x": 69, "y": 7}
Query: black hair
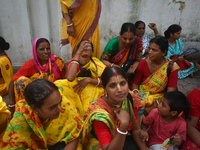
{"x": 3, "y": 44}
{"x": 110, "y": 72}
{"x": 178, "y": 102}
{"x": 37, "y": 91}
{"x": 161, "y": 41}
{"x": 172, "y": 29}
{"x": 78, "y": 45}
{"x": 128, "y": 27}
{"x": 138, "y": 23}
{"x": 41, "y": 40}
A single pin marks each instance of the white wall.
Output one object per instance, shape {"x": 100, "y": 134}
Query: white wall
{"x": 21, "y": 21}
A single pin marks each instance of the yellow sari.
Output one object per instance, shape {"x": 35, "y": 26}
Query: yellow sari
{"x": 155, "y": 85}
{"x": 89, "y": 93}
{"x": 85, "y": 16}
{"x": 25, "y": 131}
{"x": 7, "y": 74}
{"x": 4, "y": 114}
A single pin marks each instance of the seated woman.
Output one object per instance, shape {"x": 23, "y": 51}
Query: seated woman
{"x": 44, "y": 120}
{"x": 4, "y": 115}
{"x": 175, "y": 49}
{"x": 6, "y": 70}
{"x": 140, "y": 32}
{"x": 83, "y": 82}
{"x": 193, "y": 125}
{"x": 125, "y": 47}
{"x": 43, "y": 65}
{"x": 112, "y": 116}
{"x": 155, "y": 75}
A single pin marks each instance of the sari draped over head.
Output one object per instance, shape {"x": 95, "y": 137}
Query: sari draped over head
{"x": 99, "y": 110}
{"x": 6, "y": 73}
{"x": 85, "y": 16}
{"x": 114, "y": 55}
{"x": 186, "y": 67}
{"x": 155, "y": 85}
{"x": 90, "y": 92}
{"x": 26, "y": 131}
{"x": 51, "y": 64}
{"x": 54, "y": 69}
{"x": 4, "y": 114}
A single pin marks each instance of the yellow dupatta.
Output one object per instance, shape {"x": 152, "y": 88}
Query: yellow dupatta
{"x": 85, "y": 16}
{"x": 26, "y": 131}
{"x": 7, "y": 74}
{"x": 155, "y": 85}
{"x": 90, "y": 92}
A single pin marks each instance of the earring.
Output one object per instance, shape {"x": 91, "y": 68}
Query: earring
{"x": 106, "y": 95}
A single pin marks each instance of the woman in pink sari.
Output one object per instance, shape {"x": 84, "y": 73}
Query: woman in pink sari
{"x": 124, "y": 47}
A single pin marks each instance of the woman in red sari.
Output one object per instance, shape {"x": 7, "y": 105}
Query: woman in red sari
{"x": 117, "y": 50}
{"x": 193, "y": 125}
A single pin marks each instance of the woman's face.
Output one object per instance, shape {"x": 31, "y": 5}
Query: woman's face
{"x": 155, "y": 52}
{"x": 51, "y": 107}
{"x": 140, "y": 30}
{"x": 87, "y": 52}
{"x": 117, "y": 89}
{"x": 127, "y": 39}
{"x": 43, "y": 52}
{"x": 176, "y": 35}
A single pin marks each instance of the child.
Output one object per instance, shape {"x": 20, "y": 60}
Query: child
{"x": 193, "y": 124}
{"x": 164, "y": 122}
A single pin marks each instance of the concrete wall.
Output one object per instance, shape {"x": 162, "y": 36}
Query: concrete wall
{"x": 22, "y": 21}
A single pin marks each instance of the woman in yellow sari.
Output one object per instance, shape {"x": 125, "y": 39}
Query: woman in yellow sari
{"x": 123, "y": 48}
{"x": 43, "y": 65}
{"x": 83, "y": 82}
{"x": 111, "y": 121}
{"x": 44, "y": 120}
{"x": 6, "y": 70}
{"x": 81, "y": 22}
{"x": 4, "y": 114}
{"x": 155, "y": 75}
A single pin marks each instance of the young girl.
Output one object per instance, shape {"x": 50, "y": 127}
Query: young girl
{"x": 165, "y": 122}
{"x": 175, "y": 48}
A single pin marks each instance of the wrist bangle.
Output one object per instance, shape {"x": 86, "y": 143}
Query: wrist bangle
{"x": 124, "y": 130}
{"x": 135, "y": 90}
{"x": 75, "y": 62}
{"x": 112, "y": 65}
{"x": 69, "y": 25}
{"x": 11, "y": 105}
{"x": 98, "y": 82}
{"x": 123, "y": 133}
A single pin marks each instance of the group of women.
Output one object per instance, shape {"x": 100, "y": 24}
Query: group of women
{"x": 90, "y": 106}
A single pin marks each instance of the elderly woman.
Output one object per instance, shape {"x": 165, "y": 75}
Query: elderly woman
{"x": 6, "y": 70}
{"x": 44, "y": 120}
{"x": 83, "y": 82}
{"x": 126, "y": 47}
{"x": 43, "y": 65}
{"x": 155, "y": 75}
{"x": 112, "y": 120}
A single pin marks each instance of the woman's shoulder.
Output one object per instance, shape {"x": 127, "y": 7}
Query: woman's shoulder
{"x": 112, "y": 43}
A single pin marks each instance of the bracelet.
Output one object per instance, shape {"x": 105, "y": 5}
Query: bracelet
{"x": 69, "y": 25}
{"x": 11, "y": 105}
{"x": 135, "y": 90}
{"x": 112, "y": 65}
{"x": 123, "y": 133}
{"x": 75, "y": 62}
{"x": 98, "y": 82}
{"x": 124, "y": 130}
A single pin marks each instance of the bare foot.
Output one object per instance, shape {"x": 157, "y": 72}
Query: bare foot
{"x": 191, "y": 75}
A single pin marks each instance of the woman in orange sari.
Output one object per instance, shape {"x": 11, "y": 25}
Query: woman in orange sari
{"x": 126, "y": 46}
{"x": 81, "y": 22}
{"x": 44, "y": 65}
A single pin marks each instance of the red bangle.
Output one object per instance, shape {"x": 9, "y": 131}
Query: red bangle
{"x": 124, "y": 130}
{"x": 75, "y": 60}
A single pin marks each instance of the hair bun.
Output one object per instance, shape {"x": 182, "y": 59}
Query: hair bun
{"x": 6, "y": 46}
